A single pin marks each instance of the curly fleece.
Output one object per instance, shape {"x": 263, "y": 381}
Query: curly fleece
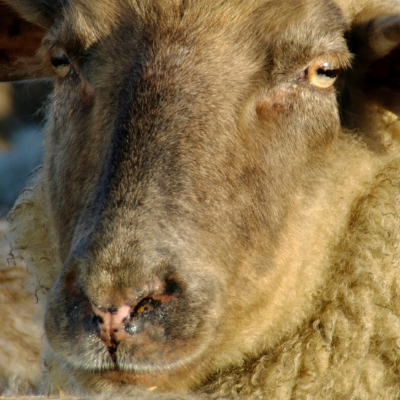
{"x": 350, "y": 348}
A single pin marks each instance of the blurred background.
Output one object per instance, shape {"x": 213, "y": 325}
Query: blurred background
{"x": 21, "y": 134}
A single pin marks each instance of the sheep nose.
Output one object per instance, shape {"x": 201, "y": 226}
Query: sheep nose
{"x": 128, "y": 314}
{"x": 115, "y": 324}
{"x": 111, "y": 324}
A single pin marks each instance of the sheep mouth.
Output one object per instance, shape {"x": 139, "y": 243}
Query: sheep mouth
{"x": 130, "y": 362}
{"x": 119, "y": 381}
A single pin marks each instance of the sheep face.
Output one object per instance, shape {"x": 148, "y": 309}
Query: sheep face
{"x": 182, "y": 138}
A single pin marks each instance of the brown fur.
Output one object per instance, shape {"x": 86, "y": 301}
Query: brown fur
{"x": 192, "y": 160}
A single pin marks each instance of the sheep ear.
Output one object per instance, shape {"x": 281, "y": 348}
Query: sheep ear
{"x": 376, "y": 46}
{"x": 21, "y": 34}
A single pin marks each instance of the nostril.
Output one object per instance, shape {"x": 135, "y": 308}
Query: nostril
{"x": 146, "y": 305}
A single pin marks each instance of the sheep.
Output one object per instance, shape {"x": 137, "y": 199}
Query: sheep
{"x": 218, "y": 207}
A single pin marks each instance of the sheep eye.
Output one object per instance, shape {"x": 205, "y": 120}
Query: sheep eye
{"x": 323, "y": 73}
{"x": 61, "y": 63}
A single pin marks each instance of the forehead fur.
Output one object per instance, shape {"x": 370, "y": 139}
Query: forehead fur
{"x": 272, "y": 22}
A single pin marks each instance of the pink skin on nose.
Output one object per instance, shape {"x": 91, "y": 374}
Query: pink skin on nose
{"x": 112, "y": 324}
